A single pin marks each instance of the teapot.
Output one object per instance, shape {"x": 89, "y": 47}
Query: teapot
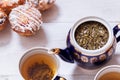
{"x": 85, "y": 58}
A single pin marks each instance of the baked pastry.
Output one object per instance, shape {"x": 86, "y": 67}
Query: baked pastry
{"x": 3, "y": 19}
{"x": 25, "y": 20}
{"x": 7, "y": 5}
{"x": 41, "y": 4}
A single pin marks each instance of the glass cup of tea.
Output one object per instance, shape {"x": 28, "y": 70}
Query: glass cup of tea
{"x": 39, "y": 64}
{"x": 111, "y": 72}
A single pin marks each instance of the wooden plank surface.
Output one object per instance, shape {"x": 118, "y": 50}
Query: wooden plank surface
{"x": 57, "y": 22}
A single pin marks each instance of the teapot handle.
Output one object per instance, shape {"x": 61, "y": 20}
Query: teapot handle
{"x": 116, "y": 29}
{"x": 59, "y": 78}
{"x": 64, "y": 54}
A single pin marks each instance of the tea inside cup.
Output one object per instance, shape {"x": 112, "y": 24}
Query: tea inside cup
{"x": 111, "y": 72}
{"x": 38, "y": 64}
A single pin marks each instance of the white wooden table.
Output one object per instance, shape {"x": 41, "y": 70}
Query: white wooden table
{"x": 57, "y": 22}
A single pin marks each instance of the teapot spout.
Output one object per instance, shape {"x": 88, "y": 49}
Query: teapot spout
{"x": 64, "y": 54}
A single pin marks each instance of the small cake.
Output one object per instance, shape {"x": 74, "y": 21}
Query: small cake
{"x": 7, "y": 5}
{"x": 25, "y": 20}
{"x": 3, "y": 19}
{"x": 41, "y": 4}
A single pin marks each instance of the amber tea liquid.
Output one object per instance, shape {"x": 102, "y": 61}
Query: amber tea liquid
{"x": 110, "y": 76}
{"x": 38, "y": 67}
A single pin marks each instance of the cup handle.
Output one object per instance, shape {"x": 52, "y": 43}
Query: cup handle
{"x": 64, "y": 54}
{"x": 59, "y": 78}
{"x": 116, "y": 29}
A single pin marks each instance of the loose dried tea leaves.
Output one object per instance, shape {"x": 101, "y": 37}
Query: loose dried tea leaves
{"x": 40, "y": 72}
{"x": 91, "y": 35}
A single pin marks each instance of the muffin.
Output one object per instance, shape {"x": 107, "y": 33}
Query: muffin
{"x": 8, "y": 5}
{"x": 25, "y": 20}
{"x": 42, "y": 5}
{"x": 3, "y": 19}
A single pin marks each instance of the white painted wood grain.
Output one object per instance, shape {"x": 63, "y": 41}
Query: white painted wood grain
{"x": 57, "y": 22}
{"x": 72, "y": 10}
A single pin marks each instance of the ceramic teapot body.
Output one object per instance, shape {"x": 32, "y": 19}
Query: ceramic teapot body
{"x": 89, "y": 58}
